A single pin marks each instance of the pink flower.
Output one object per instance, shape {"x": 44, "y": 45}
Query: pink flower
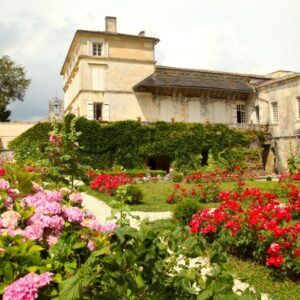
{"x": 10, "y": 219}
{"x": 76, "y": 198}
{"x": 13, "y": 193}
{"x": 108, "y": 227}
{"x": 33, "y": 232}
{"x": 53, "y": 238}
{"x": 4, "y": 184}
{"x": 91, "y": 245}
{"x": 26, "y": 288}
{"x": 73, "y": 214}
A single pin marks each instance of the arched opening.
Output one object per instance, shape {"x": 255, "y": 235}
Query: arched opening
{"x": 204, "y": 161}
{"x": 159, "y": 163}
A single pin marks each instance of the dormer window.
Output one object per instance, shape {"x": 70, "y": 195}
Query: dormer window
{"x": 97, "y": 49}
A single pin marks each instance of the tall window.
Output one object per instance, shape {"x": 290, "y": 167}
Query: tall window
{"x": 98, "y": 111}
{"x": 257, "y": 113}
{"x": 97, "y": 49}
{"x": 241, "y": 113}
{"x": 274, "y": 106}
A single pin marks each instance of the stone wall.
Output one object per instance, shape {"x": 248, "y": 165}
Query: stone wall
{"x": 10, "y": 130}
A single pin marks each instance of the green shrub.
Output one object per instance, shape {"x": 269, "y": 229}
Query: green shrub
{"x": 30, "y": 145}
{"x": 130, "y": 144}
{"x": 130, "y": 194}
{"x": 177, "y": 177}
{"x": 185, "y": 208}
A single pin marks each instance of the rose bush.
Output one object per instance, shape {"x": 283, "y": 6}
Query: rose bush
{"x": 253, "y": 224}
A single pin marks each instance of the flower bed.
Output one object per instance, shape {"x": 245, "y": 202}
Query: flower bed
{"x": 219, "y": 175}
{"x": 109, "y": 183}
{"x": 253, "y": 224}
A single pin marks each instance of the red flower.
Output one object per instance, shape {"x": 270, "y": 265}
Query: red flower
{"x": 29, "y": 168}
{"x": 275, "y": 261}
{"x": 274, "y": 248}
{"x": 2, "y": 172}
{"x": 91, "y": 173}
{"x": 296, "y": 252}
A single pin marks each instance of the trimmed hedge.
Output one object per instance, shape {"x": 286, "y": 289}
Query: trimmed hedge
{"x": 131, "y": 144}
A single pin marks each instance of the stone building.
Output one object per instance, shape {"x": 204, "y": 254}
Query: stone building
{"x": 112, "y": 76}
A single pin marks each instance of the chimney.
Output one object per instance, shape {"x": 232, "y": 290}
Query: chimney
{"x": 111, "y": 24}
{"x": 142, "y": 33}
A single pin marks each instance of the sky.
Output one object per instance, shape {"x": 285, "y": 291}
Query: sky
{"x": 245, "y": 36}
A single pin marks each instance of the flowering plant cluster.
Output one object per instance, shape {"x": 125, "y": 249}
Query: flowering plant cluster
{"x": 219, "y": 175}
{"x": 109, "y": 183}
{"x": 50, "y": 248}
{"x": 253, "y": 224}
{"x": 290, "y": 177}
{"x": 42, "y": 233}
{"x": 203, "y": 193}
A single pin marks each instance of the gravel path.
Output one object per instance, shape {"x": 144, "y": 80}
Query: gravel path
{"x": 102, "y": 211}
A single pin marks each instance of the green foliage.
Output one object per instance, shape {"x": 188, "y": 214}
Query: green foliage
{"x": 13, "y": 83}
{"x": 4, "y": 113}
{"x": 130, "y": 144}
{"x": 130, "y": 194}
{"x": 30, "y": 145}
{"x": 177, "y": 177}
{"x": 63, "y": 153}
{"x": 185, "y": 208}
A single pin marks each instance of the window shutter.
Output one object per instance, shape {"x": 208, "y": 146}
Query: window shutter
{"x": 105, "y": 112}
{"x": 233, "y": 113}
{"x": 90, "y": 48}
{"x": 97, "y": 78}
{"x": 105, "y": 49}
{"x": 90, "y": 111}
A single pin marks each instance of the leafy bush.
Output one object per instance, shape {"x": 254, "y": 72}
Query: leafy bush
{"x": 130, "y": 194}
{"x": 177, "y": 177}
{"x": 130, "y": 144}
{"x": 254, "y": 225}
{"x": 185, "y": 208}
{"x": 31, "y": 144}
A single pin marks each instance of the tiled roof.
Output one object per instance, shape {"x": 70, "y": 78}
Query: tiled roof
{"x": 156, "y": 40}
{"x": 166, "y": 77}
{"x": 279, "y": 79}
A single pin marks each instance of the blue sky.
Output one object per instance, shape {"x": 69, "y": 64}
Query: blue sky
{"x": 247, "y": 36}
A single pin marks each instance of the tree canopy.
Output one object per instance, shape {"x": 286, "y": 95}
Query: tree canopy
{"x": 13, "y": 82}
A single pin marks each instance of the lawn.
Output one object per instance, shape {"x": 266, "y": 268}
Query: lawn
{"x": 156, "y": 193}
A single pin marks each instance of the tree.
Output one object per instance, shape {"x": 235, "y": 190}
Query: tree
{"x": 4, "y": 114}
{"x": 13, "y": 83}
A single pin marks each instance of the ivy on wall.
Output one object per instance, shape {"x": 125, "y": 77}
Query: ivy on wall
{"x": 131, "y": 144}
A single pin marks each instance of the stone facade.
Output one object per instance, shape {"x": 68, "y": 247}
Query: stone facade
{"x": 111, "y": 76}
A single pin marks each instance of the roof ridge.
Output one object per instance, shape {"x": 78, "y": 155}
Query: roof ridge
{"x": 213, "y": 72}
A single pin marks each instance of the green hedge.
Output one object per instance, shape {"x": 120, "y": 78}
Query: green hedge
{"x": 136, "y": 172}
{"x": 131, "y": 144}
{"x": 29, "y": 145}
